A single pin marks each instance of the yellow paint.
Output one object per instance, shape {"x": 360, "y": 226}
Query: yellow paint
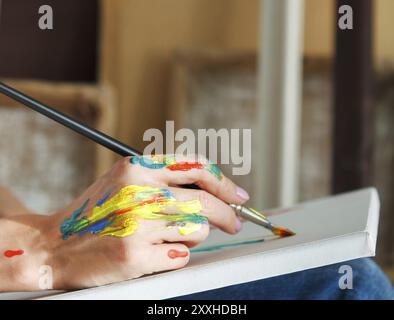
{"x": 120, "y": 215}
{"x": 187, "y": 228}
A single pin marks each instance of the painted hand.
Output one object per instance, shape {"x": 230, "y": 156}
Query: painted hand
{"x": 136, "y": 220}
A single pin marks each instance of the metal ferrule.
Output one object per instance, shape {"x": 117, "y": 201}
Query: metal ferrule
{"x": 252, "y": 216}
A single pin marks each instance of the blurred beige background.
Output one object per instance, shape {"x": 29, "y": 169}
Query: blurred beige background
{"x": 139, "y": 38}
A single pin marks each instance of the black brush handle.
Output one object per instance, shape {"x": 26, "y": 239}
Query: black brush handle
{"x": 75, "y": 125}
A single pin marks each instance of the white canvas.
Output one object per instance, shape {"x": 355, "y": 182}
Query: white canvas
{"x": 329, "y": 230}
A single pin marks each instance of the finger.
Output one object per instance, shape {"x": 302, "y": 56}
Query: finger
{"x": 218, "y": 212}
{"x": 181, "y": 170}
{"x": 167, "y": 230}
{"x": 163, "y": 257}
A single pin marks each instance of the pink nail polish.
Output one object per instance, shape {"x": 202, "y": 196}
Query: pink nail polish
{"x": 238, "y": 225}
{"x": 242, "y": 193}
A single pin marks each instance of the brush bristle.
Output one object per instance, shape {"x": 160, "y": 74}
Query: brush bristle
{"x": 282, "y": 232}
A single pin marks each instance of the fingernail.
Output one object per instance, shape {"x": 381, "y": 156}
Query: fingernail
{"x": 238, "y": 225}
{"x": 242, "y": 193}
{"x": 173, "y": 254}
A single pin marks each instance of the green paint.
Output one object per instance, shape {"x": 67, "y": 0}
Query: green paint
{"x": 215, "y": 170}
{"x": 226, "y": 245}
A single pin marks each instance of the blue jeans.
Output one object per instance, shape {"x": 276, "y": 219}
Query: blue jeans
{"x": 369, "y": 282}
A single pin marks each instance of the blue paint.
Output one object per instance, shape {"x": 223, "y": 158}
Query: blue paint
{"x": 146, "y": 162}
{"x": 97, "y": 227}
{"x": 67, "y": 227}
{"x": 104, "y": 198}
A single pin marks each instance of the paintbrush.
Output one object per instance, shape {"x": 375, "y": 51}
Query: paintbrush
{"x": 257, "y": 217}
{"x": 122, "y": 149}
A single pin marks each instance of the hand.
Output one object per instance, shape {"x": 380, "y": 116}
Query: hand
{"x": 83, "y": 255}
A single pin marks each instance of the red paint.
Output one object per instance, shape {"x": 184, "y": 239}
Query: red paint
{"x": 119, "y": 212}
{"x": 156, "y": 199}
{"x": 173, "y": 254}
{"x": 12, "y": 253}
{"x": 185, "y": 166}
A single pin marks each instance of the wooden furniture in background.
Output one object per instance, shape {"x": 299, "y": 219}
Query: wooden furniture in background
{"x": 66, "y": 53}
{"x": 383, "y": 169}
{"x": 43, "y": 162}
{"x": 139, "y": 38}
{"x": 354, "y": 112}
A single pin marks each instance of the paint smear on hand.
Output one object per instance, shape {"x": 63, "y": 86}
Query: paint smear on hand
{"x": 173, "y": 254}
{"x": 185, "y": 228}
{"x": 103, "y": 199}
{"x": 13, "y": 253}
{"x": 170, "y": 162}
{"x": 185, "y": 166}
{"x": 119, "y": 215}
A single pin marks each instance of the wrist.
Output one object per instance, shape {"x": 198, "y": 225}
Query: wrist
{"x": 34, "y": 238}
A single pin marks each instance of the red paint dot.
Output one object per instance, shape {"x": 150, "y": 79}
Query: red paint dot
{"x": 12, "y": 253}
{"x": 173, "y": 254}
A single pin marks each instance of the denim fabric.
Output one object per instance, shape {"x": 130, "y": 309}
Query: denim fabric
{"x": 369, "y": 282}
